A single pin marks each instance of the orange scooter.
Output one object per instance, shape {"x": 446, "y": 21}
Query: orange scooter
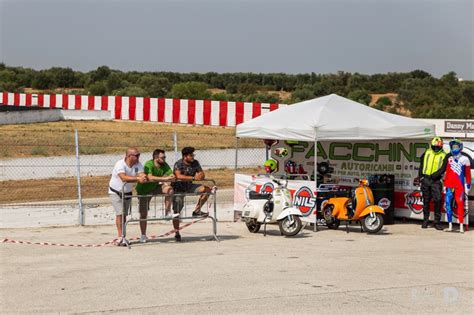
{"x": 359, "y": 208}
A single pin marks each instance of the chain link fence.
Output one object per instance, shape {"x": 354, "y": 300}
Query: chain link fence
{"x": 39, "y": 182}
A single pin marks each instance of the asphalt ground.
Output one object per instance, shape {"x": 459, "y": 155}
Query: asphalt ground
{"x": 401, "y": 269}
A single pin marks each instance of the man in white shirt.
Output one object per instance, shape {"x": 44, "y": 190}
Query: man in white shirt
{"x": 128, "y": 170}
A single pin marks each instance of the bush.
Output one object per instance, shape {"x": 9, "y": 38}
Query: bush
{"x": 98, "y": 88}
{"x": 190, "y": 90}
{"x": 384, "y": 101}
{"x": 247, "y": 88}
{"x": 300, "y": 95}
{"x": 231, "y": 88}
{"x": 131, "y": 90}
{"x": 361, "y": 96}
{"x": 42, "y": 81}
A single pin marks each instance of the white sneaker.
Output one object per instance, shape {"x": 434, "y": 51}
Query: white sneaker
{"x": 170, "y": 215}
{"x": 143, "y": 239}
{"x": 450, "y": 228}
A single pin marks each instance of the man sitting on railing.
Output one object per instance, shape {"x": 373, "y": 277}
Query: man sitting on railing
{"x": 128, "y": 170}
{"x": 187, "y": 170}
{"x": 156, "y": 170}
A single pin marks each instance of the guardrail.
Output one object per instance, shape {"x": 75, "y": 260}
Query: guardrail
{"x": 212, "y": 194}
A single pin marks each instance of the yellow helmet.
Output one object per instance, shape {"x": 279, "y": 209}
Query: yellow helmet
{"x": 437, "y": 141}
{"x": 437, "y": 144}
{"x": 270, "y": 166}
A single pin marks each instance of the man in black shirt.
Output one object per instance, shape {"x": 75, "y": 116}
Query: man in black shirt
{"x": 186, "y": 171}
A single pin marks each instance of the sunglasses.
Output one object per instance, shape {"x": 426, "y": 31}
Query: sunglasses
{"x": 162, "y": 157}
{"x": 135, "y": 155}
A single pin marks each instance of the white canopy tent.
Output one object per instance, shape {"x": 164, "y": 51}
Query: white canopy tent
{"x": 333, "y": 117}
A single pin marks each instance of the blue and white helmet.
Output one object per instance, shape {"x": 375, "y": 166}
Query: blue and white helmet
{"x": 456, "y": 146}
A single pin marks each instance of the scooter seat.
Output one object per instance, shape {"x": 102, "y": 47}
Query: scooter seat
{"x": 253, "y": 195}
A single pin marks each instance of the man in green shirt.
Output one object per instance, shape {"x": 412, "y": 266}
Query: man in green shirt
{"x": 160, "y": 175}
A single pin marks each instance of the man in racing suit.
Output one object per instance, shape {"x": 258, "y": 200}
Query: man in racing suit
{"x": 457, "y": 182}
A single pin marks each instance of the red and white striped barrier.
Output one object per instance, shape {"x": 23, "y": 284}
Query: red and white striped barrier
{"x": 180, "y": 111}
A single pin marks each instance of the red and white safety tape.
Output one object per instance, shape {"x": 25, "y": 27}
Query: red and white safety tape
{"x": 7, "y": 240}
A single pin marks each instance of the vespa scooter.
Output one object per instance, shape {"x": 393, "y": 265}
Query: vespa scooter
{"x": 359, "y": 208}
{"x": 277, "y": 206}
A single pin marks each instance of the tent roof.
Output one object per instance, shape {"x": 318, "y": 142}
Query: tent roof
{"x": 333, "y": 117}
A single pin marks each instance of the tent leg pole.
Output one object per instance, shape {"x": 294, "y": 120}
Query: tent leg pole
{"x": 316, "y": 182}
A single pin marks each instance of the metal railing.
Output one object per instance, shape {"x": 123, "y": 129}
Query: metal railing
{"x": 174, "y": 195}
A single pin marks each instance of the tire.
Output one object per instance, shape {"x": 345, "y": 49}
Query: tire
{"x": 253, "y": 226}
{"x": 290, "y": 225}
{"x": 323, "y": 168}
{"x": 334, "y": 225}
{"x": 372, "y": 225}
{"x": 331, "y": 222}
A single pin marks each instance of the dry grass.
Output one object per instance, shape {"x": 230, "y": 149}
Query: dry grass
{"x": 57, "y": 91}
{"x": 103, "y": 137}
{"x": 399, "y": 108}
{"x": 91, "y": 187}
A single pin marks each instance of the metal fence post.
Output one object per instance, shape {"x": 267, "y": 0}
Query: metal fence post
{"x": 175, "y": 142}
{"x": 236, "y": 153}
{"x": 78, "y": 167}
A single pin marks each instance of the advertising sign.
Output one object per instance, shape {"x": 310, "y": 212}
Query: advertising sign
{"x": 457, "y": 126}
{"x": 342, "y": 163}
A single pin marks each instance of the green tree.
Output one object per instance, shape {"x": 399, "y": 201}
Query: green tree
{"x": 131, "y": 90}
{"x": 468, "y": 93}
{"x": 220, "y": 97}
{"x": 80, "y": 79}
{"x": 43, "y": 80}
{"x": 449, "y": 80}
{"x": 190, "y": 90}
{"x": 231, "y": 88}
{"x": 24, "y": 78}
{"x": 300, "y": 95}
{"x": 360, "y": 96}
{"x": 358, "y": 82}
{"x": 63, "y": 77}
{"x": 100, "y": 74}
{"x": 247, "y": 88}
{"x": 8, "y": 76}
{"x": 155, "y": 86}
{"x": 419, "y": 74}
{"x": 114, "y": 82}
{"x": 98, "y": 88}
{"x": 384, "y": 100}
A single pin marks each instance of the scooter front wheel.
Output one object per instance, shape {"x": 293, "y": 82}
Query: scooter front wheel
{"x": 290, "y": 225}
{"x": 253, "y": 226}
{"x": 372, "y": 224}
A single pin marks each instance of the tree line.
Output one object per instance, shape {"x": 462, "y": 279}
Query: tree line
{"x": 417, "y": 93}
